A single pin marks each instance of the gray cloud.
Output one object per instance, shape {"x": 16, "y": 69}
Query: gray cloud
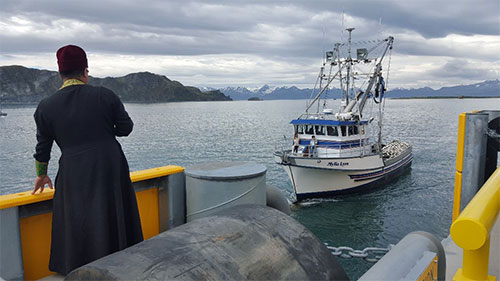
{"x": 276, "y": 31}
{"x": 462, "y": 68}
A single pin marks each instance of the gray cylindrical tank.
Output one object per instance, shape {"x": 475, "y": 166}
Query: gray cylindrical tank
{"x": 211, "y": 187}
{"x": 246, "y": 242}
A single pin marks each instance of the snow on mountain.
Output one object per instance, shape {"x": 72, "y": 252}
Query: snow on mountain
{"x": 207, "y": 89}
{"x": 266, "y": 89}
{"x": 267, "y": 92}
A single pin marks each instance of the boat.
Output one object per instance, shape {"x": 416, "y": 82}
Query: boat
{"x": 343, "y": 152}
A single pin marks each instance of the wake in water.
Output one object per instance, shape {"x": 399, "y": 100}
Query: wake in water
{"x": 313, "y": 202}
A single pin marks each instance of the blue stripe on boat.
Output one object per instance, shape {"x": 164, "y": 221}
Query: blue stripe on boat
{"x": 326, "y": 122}
{"x": 333, "y": 144}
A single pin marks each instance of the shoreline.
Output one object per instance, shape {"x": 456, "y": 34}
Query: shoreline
{"x": 158, "y": 102}
{"x": 446, "y": 97}
{"x": 4, "y": 105}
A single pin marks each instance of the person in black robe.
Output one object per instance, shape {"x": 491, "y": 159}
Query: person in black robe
{"x": 94, "y": 207}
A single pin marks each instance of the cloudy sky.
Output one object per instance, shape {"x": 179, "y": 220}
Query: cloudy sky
{"x": 251, "y": 43}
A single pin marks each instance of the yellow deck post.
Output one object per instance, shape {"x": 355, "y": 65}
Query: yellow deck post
{"x": 471, "y": 230}
{"x": 476, "y": 262}
{"x": 459, "y": 166}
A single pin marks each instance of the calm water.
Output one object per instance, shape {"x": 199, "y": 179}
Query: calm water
{"x": 193, "y": 132}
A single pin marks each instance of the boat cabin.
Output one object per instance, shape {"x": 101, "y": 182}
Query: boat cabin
{"x": 333, "y": 137}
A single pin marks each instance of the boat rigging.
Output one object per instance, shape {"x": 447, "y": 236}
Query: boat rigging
{"x": 334, "y": 152}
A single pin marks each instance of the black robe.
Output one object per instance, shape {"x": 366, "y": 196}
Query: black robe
{"x": 94, "y": 208}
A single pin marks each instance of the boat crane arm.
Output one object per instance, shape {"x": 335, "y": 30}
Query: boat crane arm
{"x": 376, "y": 73}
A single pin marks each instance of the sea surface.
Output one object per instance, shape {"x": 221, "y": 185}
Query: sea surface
{"x": 190, "y": 133}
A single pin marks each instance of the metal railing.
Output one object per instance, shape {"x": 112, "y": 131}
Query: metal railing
{"x": 471, "y": 230}
{"x": 344, "y": 150}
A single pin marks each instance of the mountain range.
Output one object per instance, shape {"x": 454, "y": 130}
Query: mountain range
{"x": 483, "y": 89}
{"x": 21, "y": 85}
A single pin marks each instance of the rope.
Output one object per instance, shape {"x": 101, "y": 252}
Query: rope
{"x": 228, "y": 201}
{"x": 387, "y": 80}
{"x": 388, "y": 68}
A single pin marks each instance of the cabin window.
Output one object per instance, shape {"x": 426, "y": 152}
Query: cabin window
{"x": 343, "y": 130}
{"x": 310, "y": 129}
{"x": 299, "y": 129}
{"x": 353, "y": 130}
{"x": 320, "y": 130}
{"x": 332, "y": 131}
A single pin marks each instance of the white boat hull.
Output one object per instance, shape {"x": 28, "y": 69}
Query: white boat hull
{"x": 316, "y": 177}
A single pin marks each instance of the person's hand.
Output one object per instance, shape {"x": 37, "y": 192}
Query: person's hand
{"x": 40, "y": 183}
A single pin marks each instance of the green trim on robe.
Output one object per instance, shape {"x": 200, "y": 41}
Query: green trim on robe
{"x": 41, "y": 168}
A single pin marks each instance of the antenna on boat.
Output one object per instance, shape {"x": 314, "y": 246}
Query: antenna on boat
{"x": 380, "y": 25}
{"x": 343, "y": 25}
{"x": 337, "y": 50}
{"x": 349, "y": 65}
{"x": 323, "y": 43}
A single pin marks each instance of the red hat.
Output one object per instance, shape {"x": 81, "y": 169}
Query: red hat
{"x": 70, "y": 58}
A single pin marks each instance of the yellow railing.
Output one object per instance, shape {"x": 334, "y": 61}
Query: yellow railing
{"x": 35, "y": 230}
{"x": 24, "y": 198}
{"x": 471, "y": 230}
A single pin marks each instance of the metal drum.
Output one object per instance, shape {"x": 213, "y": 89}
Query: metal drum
{"x": 211, "y": 187}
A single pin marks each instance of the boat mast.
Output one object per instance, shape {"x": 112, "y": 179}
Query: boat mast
{"x": 337, "y": 49}
{"x": 349, "y": 65}
{"x": 321, "y": 77}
